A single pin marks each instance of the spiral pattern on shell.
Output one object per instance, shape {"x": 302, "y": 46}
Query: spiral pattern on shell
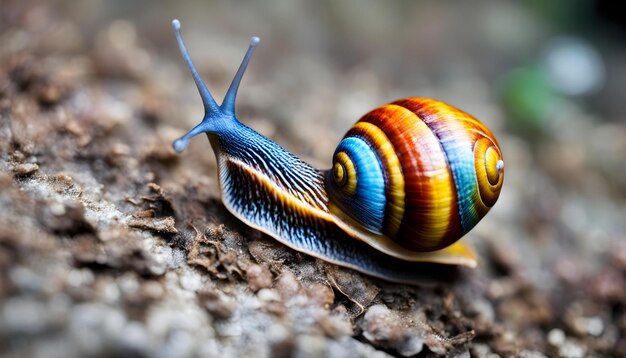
{"x": 417, "y": 171}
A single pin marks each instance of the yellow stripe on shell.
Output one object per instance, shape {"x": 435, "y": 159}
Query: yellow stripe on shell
{"x": 350, "y": 186}
{"x": 488, "y": 177}
{"x": 395, "y": 187}
{"x": 338, "y": 173}
{"x": 491, "y": 160}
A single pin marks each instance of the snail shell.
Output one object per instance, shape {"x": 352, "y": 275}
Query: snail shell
{"x": 415, "y": 174}
{"x": 407, "y": 181}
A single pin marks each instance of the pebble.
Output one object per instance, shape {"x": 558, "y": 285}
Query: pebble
{"x": 128, "y": 284}
{"x": 25, "y": 169}
{"x": 481, "y": 350}
{"x": 287, "y": 285}
{"x": 110, "y": 292}
{"x": 190, "y": 280}
{"x": 135, "y": 340}
{"x": 531, "y": 354}
{"x": 310, "y": 346}
{"x": 80, "y": 277}
{"x": 556, "y": 337}
{"x": 57, "y": 208}
{"x": 23, "y": 315}
{"x": 178, "y": 344}
{"x": 484, "y": 309}
{"x": 213, "y": 348}
{"x": 92, "y": 325}
{"x": 26, "y": 279}
{"x": 268, "y": 295}
{"x": 277, "y": 333}
{"x": 464, "y": 354}
{"x": 349, "y": 347}
{"x": 595, "y": 326}
{"x": 335, "y": 326}
{"x": 571, "y": 349}
{"x": 320, "y": 294}
{"x": 258, "y": 277}
{"x": 383, "y": 327}
{"x": 165, "y": 257}
{"x": 167, "y": 317}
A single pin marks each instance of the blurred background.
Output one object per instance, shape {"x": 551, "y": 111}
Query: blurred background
{"x": 548, "y": 77}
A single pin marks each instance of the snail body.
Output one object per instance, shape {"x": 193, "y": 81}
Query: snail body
{"x": 407, "y": 181}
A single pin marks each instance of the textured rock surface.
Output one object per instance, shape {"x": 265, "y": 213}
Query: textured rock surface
{"x": 110, "y": 244}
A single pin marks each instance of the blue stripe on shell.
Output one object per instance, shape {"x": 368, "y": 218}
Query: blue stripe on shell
{"x": 367, "y": 205}
{"x": 461, "y": 159}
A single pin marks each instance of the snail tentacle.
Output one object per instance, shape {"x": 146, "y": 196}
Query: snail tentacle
{"x": 207, "y": 99}
{"x": 228, "y": 105}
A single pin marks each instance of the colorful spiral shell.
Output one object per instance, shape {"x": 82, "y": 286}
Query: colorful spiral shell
{"x": 417, "y": 171}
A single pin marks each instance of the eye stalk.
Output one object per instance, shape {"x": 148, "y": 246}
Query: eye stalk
{"x": 213, "y": 113}
{"x": 228, "y": 105}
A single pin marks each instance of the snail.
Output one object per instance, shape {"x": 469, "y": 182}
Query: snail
{"x": 407, "y": 181}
